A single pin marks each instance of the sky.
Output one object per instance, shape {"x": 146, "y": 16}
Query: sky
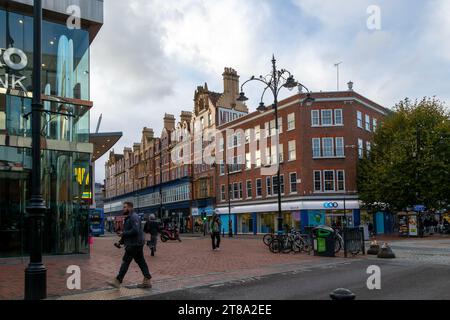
{"x": 150, "y": 55}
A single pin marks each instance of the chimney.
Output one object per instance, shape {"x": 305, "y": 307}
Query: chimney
{"x": 350, "y": 86}
{"x": 230, "y": 82}
{"x": 136, "y": 147}
{"x": 169, "y": 122}
{"x": 186, "y": 116}
{"x": 148, "y": 133}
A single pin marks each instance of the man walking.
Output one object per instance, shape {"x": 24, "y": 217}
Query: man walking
{"x": 133, "y": 239}
{"x": 215, "y": 232}
{"x": 152, "y": 227}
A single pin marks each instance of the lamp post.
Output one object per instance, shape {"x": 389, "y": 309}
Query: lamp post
{"x": 275, "y": 81}
{"x": 36, "y": 273}
{"x": 230, "y": 223}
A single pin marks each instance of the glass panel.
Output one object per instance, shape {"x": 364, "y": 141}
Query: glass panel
{"x": 65, "y": 54}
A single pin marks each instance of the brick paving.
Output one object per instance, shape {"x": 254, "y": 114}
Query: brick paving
{"x": 176, "y": 266}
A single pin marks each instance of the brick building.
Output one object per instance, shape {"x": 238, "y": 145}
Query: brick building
{"x": 319, "y": 147}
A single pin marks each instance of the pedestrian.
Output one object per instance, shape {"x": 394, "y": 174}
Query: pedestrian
{"x": 215, "y": 232}
{"x": 133, "y": 239}
{"x": 152, "y": 228}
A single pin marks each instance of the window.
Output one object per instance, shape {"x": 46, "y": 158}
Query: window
{"x": 249, "y": 188}
{"x": 328, "y": 177}
{"x": 368, "y": 148}
{"x": 360, "y": 148}
{"x": 292, "y": 154}
{"x": 275, "y": 184}
{"x": 280, "y": 125}
{"x": 209, "y": 119}
{"x": 222, "y": 192}
{"x": 268, "y": 186}
{"x": 236, "y": 190}
{"x": 317, "y": 181}
{"x": 316, "y": 148}
{"x": 272, "y": 127}
{"x": 340, "y": 147}
{"x": 258, "y": 158}
{"x": 247, "y": 136}
{"x": 291, "y": 121}
{"x": 258, "y": 133}
{"x": 281, "y": 153}
{"x": 338, "y": 117}
{"x": 315, "y": 118}
{"x": 368, "y": 122}
{"x": 327, "y": 117}
{"x": 293, "y": 182}
{"x": 267, "y": 129}
{"x": 328, "y": 147}
{"x": 258, "y": 188}
{"x": 340, "y": 180}
{"x": 221, "y": 144}
{"x": 240, "y": 191}
{"x": 268, "y": 156}
{"x": 359, "y": 119}
{"x": 248, "y": 161}
{"x": 222, "y": 167}
{"x": 374, "y": 124}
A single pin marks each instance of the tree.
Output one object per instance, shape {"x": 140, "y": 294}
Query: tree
{"x": 410, "y": 159}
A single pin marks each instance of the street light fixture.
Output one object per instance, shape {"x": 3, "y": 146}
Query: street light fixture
{"x": 275, "y": 81}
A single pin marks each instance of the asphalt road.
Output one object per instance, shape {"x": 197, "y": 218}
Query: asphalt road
{"x": 409, "y": 277}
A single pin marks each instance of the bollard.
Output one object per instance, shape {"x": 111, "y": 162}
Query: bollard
{"x": 342, "y": 294}
{"x": 386, "y": 252}
{"x": 374, "y": 248}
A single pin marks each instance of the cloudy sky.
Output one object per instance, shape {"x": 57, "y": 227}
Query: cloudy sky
{"x": 151, "y": 54}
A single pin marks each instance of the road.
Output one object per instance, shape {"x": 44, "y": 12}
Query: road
{"x": 421, "y": 271}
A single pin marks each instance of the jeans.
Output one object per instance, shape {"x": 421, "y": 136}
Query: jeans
{"x": 136, "y": 253}
{"x": 215, "y": 237}
{"x": 152, "y": 244}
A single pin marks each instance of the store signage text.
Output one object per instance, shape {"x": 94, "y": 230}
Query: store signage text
{"x": 13, "y": 81}
{"x": 331, "y": 205}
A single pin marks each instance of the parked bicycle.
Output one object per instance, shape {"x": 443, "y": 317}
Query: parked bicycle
{"x": 286, "y": 243}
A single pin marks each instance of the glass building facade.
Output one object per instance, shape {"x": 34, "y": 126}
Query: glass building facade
{"x": 66, "y": 155}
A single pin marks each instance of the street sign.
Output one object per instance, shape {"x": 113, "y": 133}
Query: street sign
{"x": 419, "y": 208}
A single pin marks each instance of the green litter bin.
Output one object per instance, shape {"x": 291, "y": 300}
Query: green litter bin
{"x": 323, "y": 241}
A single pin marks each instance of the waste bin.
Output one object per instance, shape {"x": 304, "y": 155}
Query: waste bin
{"x": 324, "y": 242}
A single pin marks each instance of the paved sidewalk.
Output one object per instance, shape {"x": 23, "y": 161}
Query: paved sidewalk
{"x": 176, "y": 266}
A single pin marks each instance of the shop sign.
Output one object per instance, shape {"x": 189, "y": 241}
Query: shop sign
{"x": 412, "y": 221}
{"x": 331, "y": 205}
{"x": 419, "y": 208}
{"x": 13, "y": 81}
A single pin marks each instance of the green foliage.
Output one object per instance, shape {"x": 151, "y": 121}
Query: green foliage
{"x": 410, "y": 159}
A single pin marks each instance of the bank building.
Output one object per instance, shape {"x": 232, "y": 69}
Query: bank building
{"x": 69, "y": 148}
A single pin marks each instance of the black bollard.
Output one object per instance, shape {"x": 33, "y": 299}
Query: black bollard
{"x": 342, "y": 294}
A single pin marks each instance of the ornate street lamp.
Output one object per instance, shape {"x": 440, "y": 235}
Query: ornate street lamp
{"x": 36, "y": 273}
{"x": 275, "y": 81}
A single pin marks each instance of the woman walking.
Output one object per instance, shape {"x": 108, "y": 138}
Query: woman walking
{"x": 215, "y": 232}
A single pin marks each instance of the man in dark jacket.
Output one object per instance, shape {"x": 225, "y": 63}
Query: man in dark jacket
{"x": 133, "y": 239}
{"x": 152, "y": 227}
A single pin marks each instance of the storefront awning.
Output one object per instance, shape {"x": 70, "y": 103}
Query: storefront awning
{"x": 103, "y": 142}
{"x": 294, "y": 206}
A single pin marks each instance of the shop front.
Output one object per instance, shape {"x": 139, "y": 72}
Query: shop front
{"x": 263, "y": 218}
